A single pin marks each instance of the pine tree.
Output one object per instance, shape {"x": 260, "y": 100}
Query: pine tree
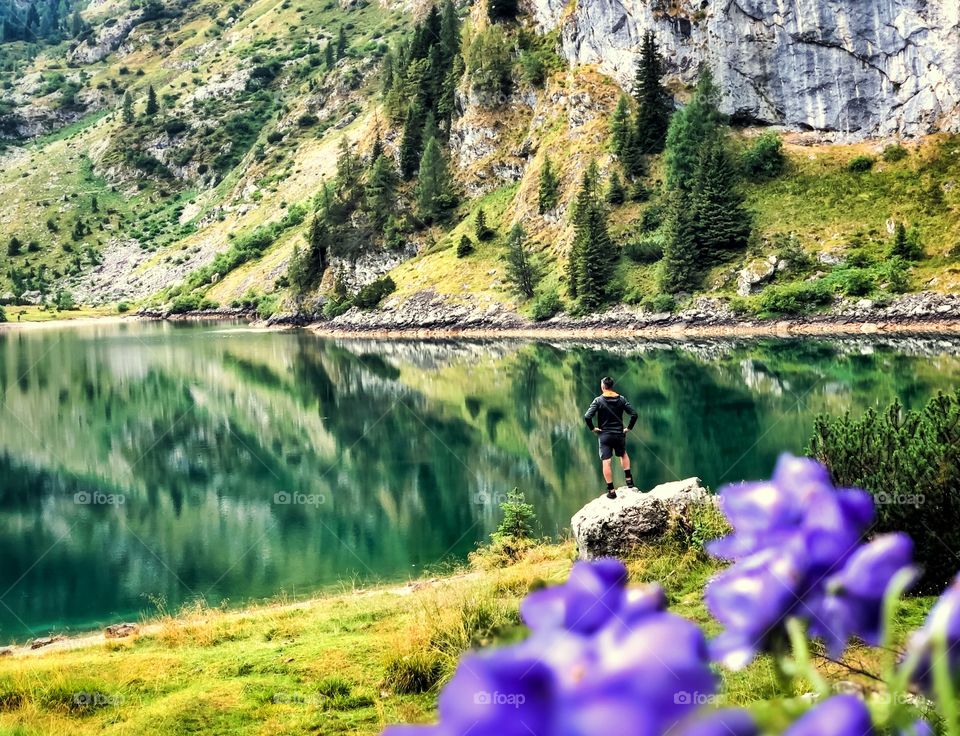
{"x": 620, "y": 127}
{"x": 348, "y": 168}
{"x": 127, "y": 108}
{"x": 94, "y": 204}
{"x": 654, "y": 103}
{"x": 906, "y": 245}
{"x": 380, "y": 192}
{"x": 548, "y": 194}
{"x": 616, "y": 194}
{"x": 598, "y": 259}
{"x": 376, "y": 150}
{"x": 412, "y": 143}
{"x": 680, "y": 269}
{"x": 721, "y": 221}
{"x": 33, "y": 18}
{"x": 690, "y": 129}
{"x": 434, "y": 185}
{"x": 14, "y": 246}
{"x": 76, "y": 25}
{"x": 464, "y": 247}
{"x": 152, "y": 108}
{"x": 481, "y": 230}
{"x": 341, "y": 43}
{"x": 297, "y": 275}
{"x": 522, "y": 272}
{"x": 328, "y": 56}
{"x": 318, "y": 241}
{"x": 449, "y": 33}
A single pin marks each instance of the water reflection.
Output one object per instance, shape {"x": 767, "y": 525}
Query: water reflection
{"x": 253, "y": 462}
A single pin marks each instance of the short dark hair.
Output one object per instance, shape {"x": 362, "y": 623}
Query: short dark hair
{"x": 606, "y": 382}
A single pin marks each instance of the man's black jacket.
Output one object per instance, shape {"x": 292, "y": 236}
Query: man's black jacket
{"x": 609, "y": 410}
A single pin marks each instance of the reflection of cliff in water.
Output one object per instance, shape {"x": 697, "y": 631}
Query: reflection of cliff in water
{"x": 404, "y": 447}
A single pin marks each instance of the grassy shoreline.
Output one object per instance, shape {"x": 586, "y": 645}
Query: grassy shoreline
{"x": 341, "y": 663}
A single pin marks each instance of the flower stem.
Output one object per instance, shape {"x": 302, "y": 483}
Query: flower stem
{"x": 896, "y": 684}
{"x": 801, "y": 657}
{"x": 943, "y": 684}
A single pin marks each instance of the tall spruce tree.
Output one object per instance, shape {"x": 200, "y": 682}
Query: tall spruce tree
{"x": 127, "y": 108}
{"x": 522, "y": 271}
{"x": 616, "y": 194}
{"x": 435, "y": 196}
{"x": 381, "y": 190}
{"x": 681, "y": 255}
{"x": 620, "y": 127}
{"x": 654, "y": 102}
{"x": 548, "y": 192}
{"x": 597, "y": 261}
{"x": 691, "y": 128}
{"x": 152, "y": 106}
{"x": 411, "y": 146}
{"x": 341, "y": 43}
{"x": 721, "y": 221}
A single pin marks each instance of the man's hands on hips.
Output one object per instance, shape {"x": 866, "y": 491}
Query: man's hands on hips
{"x": 596, "y": 430}
{"x": 626, "y": 429}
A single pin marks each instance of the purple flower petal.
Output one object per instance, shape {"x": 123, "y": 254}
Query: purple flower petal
{"x": 842, "y": 715}
{"x": 726, "y": 722}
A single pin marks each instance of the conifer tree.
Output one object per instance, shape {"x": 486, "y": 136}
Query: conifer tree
{"x": 127, "y": 108}
{"x": 906, "y": 244}
{"x": 654, "y": 103}
{"x": 152, "y": 108}
{"x": 318, "y": 241}
{"x": 481, "y": 229}
{"x": 412, "y": 142}
{"x": 297, "y": 275}
{"x": 680, "y": 270}
{"x": 341, "y": 43}
{"x": 76, "y": 25}
{"x": 616, "y": 194}
{"x": 376, "y": 150}
{"x": 380, "y": 191}
{"x": 502, "y": 10}
{"x": 597, "y": 260}
{"x": 585, "y": 201}
{"x": 449, "y": 33}
{"x": 721, "y": 221}
{"x": 522, "y": 271}
{"x": 465, "y": 246}
{"x": 620, "y": 125}
{"x": 548, "y": 194}
{"x": 348, "y": 168}
{"x": 328, "y": 56}
{"x": 690, "y": 128}
{"x": 435, "y": 195}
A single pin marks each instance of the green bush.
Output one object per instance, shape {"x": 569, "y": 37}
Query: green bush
{"x": 764, "y": 159}
{"x": 546, "y": 306}
{"x": 335, "y": 307}
{"x": 860, "y": 164}
{"x": 795, "y": 298}
{"x": 464, "y": 247}
{"x": 855, "y": 281}
{"x": 373, "y": 293}
{"x": 703, "y": 522}
{"x": 123, "y": 307}
{"x": 659, "y": 303}
{"x": 894, "y": 153}
{"x": 185, "y": 303}
{"x": 644, "y": 249}
{"x": 910, "y": 462}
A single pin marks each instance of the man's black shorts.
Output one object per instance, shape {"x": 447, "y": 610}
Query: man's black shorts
{"x": 612, "y": 444}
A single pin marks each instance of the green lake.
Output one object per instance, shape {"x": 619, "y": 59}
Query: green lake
{"x": 146, "y": 464}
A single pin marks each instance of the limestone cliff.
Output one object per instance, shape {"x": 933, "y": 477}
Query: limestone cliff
{"x": 860, "y": 68}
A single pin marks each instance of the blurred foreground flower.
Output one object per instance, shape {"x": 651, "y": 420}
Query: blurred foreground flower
{"x": 600, "y": 660}
{"x": 797, "y": 550}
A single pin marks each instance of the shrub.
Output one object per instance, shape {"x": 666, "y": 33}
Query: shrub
{"x": 764, "y": 159}
{"x": 518, "y": 517}
{"x": 185, "y": 303}
{"x": 795, "y": 298}
{"x": 123, "y": 307}
{"x": 855, "y": 281}
{"x": 860, "y": 164}
{"x": 906, "y": 243}
{"x": 652, "y": 217}
{"x": 659, "y": 303}
{"x": 373, "y": 293}
{"x": 894, "y": 153}
{"x": 910, "y": 462}
{"x": 464, "y": 247}
{"x": 546, "y": 305}
{"x": 335, "y": 307}
{"x": 893, "y": 275}
{"x": 702, "y": 523}
{"x": 65, "y": 300}
{"x": 644, "y": 249}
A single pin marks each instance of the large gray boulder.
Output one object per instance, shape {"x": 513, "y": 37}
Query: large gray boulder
{"x": 612, "y": 527}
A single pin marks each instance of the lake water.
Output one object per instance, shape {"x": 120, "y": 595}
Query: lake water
{"x": 144, "y": 463}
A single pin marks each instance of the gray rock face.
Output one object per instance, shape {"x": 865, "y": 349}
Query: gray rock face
{"x": 857, "y": 68}
{"x": 608, "y": 527}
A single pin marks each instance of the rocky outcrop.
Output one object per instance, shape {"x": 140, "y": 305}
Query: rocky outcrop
{"x": 856, "y": 68}
{"x": 612, "y": 527}
{"x": 107, "y": 40}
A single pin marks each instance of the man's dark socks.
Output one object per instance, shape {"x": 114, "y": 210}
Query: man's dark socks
{"x": 610, "y": 492}
{"x": 629, "y": 478}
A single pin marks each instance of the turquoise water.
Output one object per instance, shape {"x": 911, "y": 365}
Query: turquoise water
{"x": 145, "y": 464}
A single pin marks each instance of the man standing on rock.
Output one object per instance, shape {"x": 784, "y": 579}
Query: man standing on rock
{"x": 609, "y": 408}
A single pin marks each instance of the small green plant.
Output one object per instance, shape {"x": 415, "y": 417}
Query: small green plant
{"x": 659, "y": 303}
{"x": 860, "y": 164}
{"x": 482, "y": 230}
{"x": 855, "y": 281}
{"x": 373, "y": 293}
{"x": 123, "y": 307}
{"x": 894, "y": 153}
{"x": 795, "y": 298}
{"x": 464, "y": 247}
{"x": 518, "y": 517}
{"x": 702, "y": 523}
{"x": 418, "y": 671}
{"x": 764, "y": 159}
{"x": 546, "y": 305}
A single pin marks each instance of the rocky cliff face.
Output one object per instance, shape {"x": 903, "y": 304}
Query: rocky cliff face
{"x": 860, "y": 68}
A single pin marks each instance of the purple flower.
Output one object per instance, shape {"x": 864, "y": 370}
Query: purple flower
{"x": 843, "y": 715}
{"x": 727, "y": 722}
{"x": 796, "y": 544}
{"x": 943, "y": 620}
{"x": 600, "y": 660}
{"x": 917, "y": 728}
